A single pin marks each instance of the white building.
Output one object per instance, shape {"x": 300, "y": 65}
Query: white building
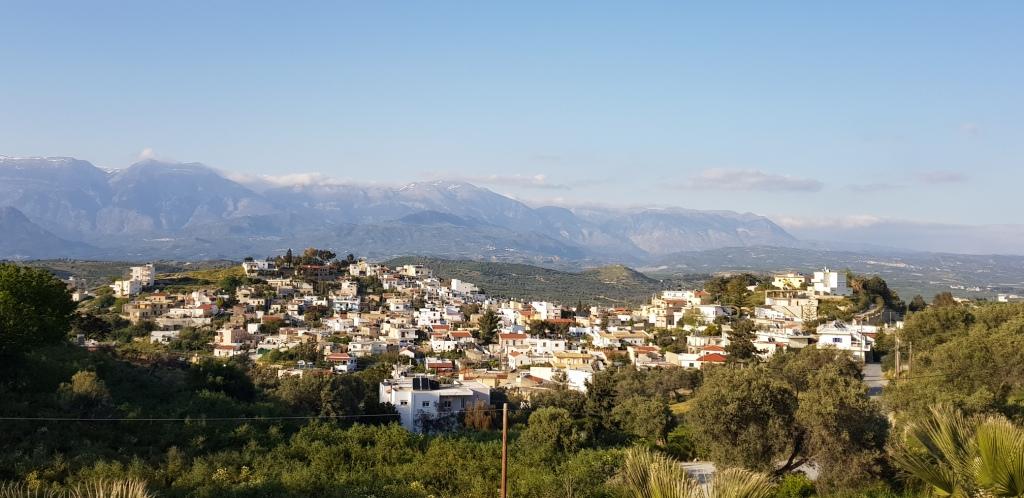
{"x": 545, "y": 310}
{"x": 367, "y": 348}
{"x": 830, "y": 283}
{"x": 424, "y": 398}
{"x": 416, "y": 271}
{"x": 711, "y": 311}
{"x": 163, "y": 336}
{"x": 857, "y": 339}
{"x": 460, "y": 287}
{"x": 145, "y": 275}
{"x": 126, "y": 288}
{"x": 341, "y": 362}
{"x": 253, "y": 268}
{"x": 789, "y": 281}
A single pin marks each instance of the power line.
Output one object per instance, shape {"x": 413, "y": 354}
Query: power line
{"x": 231, "y": 419}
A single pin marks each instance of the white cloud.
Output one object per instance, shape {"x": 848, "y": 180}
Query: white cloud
{"x": 908, "y": 234}
{"x": 749, "y": 179}
{"x": 147, "y": 154}
{"x": 535, "y": 181}
{"x": 845, "y": 222}
{"x": 286, "y": 180}
{"x": 939, "y": 176}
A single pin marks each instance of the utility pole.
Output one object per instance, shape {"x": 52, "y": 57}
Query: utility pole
{"x": 910, "y": 361}
{"x": 897, "y": 355}
{"x": 504, "y": 450}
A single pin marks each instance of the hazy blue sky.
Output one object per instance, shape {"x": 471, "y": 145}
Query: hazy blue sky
{"x": 812, "y": 112}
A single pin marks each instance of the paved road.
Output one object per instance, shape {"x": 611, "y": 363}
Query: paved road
{"x": 874, "y": 379}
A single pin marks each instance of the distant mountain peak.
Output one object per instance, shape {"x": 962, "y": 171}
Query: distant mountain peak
{"x": 159, "y": 200}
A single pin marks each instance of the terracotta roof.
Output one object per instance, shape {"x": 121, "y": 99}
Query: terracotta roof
{"x": 512, "y": 337}
{"x": 712, "y": 358}
{"x": 712, "y": 347}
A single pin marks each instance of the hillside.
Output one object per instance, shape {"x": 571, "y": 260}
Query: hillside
{"x": 908, "y": 273}
{"x": 603, "y": 285}
{"x": 23, "y": 239}
{"x": 96, "y": 273}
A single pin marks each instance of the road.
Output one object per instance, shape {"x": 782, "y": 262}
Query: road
{"x": 874, "y": 379}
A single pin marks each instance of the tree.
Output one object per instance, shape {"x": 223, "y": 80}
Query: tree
{"x": 944, "y": 299}
{"x": 742, "y": 417}
{"x": 802, "y": 407}
{"x": 487, "y": 326}
{"x": 35, "y": 309}
{"x": 809, "y": 406}
{"x": 90, "y": 326}
{"x": 917, "y": 304}
{"x": 230, "y": 283}
{"x": 647, "y": 474}
{"x": 968, "y": 357}
{"x": 644, "y": 418}
{"x": 843, "y": 432}
{"x": 192, "y": 339}
{"x": 550, "y": 434}
{"x": 225, "y": 377}
{"x": 741, "y": 341}
{"x": 85, "y": 394}
{"x": 478, "y": 416}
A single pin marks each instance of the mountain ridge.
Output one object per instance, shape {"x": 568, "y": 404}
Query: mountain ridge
{"x": 177, "y": 210}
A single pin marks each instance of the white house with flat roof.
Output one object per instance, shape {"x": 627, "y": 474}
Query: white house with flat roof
{"x": 830, "y": 283}
{"x": 423, "y": 397}
{"x": 857, "y": 339}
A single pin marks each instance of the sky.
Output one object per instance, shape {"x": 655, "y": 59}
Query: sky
{"x": 822, "y": 115}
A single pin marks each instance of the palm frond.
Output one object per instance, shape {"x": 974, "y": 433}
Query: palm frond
{"x": 740, "y": 483}
{"x": 653, "y": 475}
{"x": 948, "y": 464}
{"x": 1000, "y": 464}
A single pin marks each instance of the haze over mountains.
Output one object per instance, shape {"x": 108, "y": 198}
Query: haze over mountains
{"x": 68, "y": 207}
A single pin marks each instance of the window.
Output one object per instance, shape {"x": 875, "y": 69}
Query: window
{"x": 447, "y": 403}
{"x": 404, "y": 403}
{"x": 426, "y": 403}
{"x": 837, "y": 339}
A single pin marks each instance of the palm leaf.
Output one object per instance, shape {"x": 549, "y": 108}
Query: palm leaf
{"x": 948, "y": 463}
{"x": 740, "y": 483}
{"x": 1000, "y": 465}
{"x": 647, "y": 474}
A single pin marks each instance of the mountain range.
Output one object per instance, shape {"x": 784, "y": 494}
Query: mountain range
{"x": 66, "y": 207}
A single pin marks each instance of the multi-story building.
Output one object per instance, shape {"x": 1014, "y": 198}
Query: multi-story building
{"x": 421, "y": 399}
{"x": 830, "y": 283}
{"x": 145, "y": 275}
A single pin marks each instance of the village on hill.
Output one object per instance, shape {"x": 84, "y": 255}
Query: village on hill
{"x": 451, "y": 344}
